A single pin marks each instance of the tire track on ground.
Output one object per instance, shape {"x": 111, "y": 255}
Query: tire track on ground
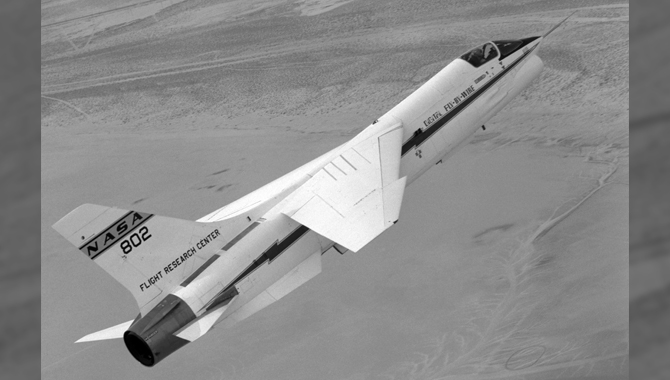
{"x": 68, "y": 104}
{"x": 182, "y": 69}
{"x": 554, "y": 220}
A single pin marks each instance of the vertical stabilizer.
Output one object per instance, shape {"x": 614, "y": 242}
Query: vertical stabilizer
{"x": 148, "y": 254}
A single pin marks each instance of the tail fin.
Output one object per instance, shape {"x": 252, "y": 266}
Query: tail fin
{"x": 146, "y": 253}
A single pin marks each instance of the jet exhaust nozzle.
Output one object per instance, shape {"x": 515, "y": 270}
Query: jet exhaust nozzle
{"x": 151, "y": 338}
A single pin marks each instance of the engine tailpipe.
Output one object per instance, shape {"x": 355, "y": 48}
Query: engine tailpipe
{"x": 152, "y": 338}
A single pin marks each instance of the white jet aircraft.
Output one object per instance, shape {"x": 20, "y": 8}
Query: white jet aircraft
{"x": 189, "y": 276}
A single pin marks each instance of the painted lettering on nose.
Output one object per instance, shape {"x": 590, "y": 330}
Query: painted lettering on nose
{"x": 432, "y": 118}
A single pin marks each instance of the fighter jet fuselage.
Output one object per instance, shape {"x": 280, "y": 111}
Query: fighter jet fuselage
{"x": 189, "y": 276}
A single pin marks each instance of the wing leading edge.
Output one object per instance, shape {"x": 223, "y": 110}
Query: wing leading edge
{"x": 357, "y": 195}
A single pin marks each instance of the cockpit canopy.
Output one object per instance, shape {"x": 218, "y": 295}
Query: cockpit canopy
{"x": 502, "y": 48}
{"x": 480, "y": 55}
{"x": 508, "y": 47}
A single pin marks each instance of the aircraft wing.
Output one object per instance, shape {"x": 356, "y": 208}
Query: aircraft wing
{"x": 357, "y": 195}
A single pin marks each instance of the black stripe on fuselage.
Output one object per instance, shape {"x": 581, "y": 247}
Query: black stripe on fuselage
{"x": 216, "y": 256}
{"x": 271, "y": 253}
{"x": 424, "y": 135}
{"x": 201, "y": 269}
{"x": 239, "y": 236}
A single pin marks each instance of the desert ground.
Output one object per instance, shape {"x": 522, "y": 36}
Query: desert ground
{"x": 510, "y": 260}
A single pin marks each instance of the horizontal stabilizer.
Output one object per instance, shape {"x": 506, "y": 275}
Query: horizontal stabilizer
{"x": 202, "y": 325}
{"x": 299, "y": 275}
{"x": 114, "y": 332}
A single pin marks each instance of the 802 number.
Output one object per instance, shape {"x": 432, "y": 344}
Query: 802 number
{"x": 135, "y": 240}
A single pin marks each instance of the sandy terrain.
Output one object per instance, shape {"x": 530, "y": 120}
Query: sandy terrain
{"x": 510, "y": 260}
